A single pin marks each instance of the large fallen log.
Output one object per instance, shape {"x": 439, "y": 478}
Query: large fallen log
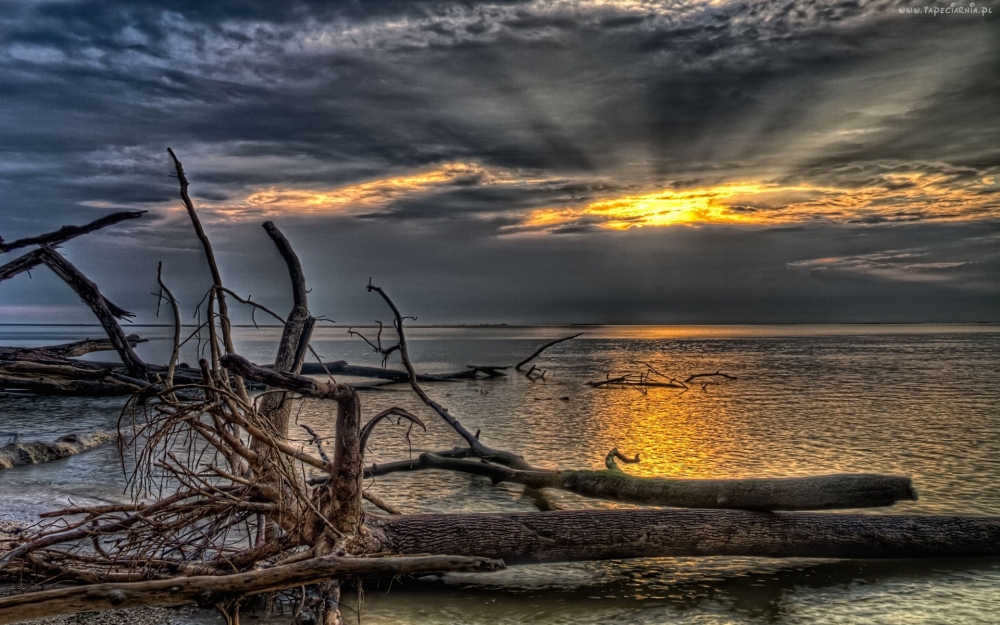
{"x": 816, "y": 492}
{"x": 800, "y": 493}
{"x": 563, "y": 536}
{"x": 65, "y": 350}
{"x": 211, "y": 590}
{"x": 341, "y": 367}
{"x": 18, "y": 454}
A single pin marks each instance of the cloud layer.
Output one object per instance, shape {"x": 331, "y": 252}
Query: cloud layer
{"x": 626, "y": 129}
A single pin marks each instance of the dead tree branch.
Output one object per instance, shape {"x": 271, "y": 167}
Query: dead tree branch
{"x": 542, "y": 349}
{"x": 177, "y": 325}
{"x": 211, "y": 590}
{"x": 295, "y": 335}
{"x": 64, "y": 350}
{"x": 69, "y": 232}
{"x": 102, "y": 308}
{"x": 695, "y": 376}
{"x": 212, "y": 264}
{"x": 473, "y": 441}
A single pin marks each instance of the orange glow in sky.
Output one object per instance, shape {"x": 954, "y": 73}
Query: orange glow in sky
{"x": 366, "y": 195}
{"x": 897, "y": 198}
{"x": 894, "y": 197}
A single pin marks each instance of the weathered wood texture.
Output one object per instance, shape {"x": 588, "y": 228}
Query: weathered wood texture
{"x": 29, "y": 261}
{"x": 68, "y": 232}
{"x": 210, "y": 590}
{"x": 562, "y": 536}
{"x": 65, "y": 350}
{"x": 819, "y": 492}
{"x": 348, "y": 463}
{"x": 286, "y": 380}
{"x": 341, "y": 367}
{"x": 206, "y": 244}
{"x": 295, "y": 335}
{"x": 102, "y": 308}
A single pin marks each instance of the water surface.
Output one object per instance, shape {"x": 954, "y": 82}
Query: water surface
{"x": 917, "y": 400}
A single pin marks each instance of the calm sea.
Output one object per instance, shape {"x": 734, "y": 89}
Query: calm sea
{"x": 917, "y": 400}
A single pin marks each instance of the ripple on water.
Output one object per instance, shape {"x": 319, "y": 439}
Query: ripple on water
{"x": 922, "y": 401}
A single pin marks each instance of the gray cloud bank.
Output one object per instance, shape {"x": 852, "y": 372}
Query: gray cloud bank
{"x": 554, "y": 106}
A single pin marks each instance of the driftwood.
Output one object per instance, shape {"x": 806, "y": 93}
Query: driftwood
{"x": 210, "y": 590}
{"x": 218, "y": 292}
{"x": 17, "y": 454}
{"x": 68, "y": 232}
{"x": 33, "y": 259}
{"x": 820, "y": 492}
{"x": 652, "y": 378}
{"x": 806, "y": 493}
{"x": 105, "y": 311}
{"x": 341, "y": 367}
{"x": 65, "y": 350}
{"x": 567, "y": 535}
{"x": 541, "y": 349}
{"x": 221, "y": 508}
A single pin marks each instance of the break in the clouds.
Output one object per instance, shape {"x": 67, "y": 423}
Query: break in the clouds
{"x": 518, "y": 161}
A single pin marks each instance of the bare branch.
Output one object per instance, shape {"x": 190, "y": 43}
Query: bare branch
{"x": 541, "y": 349}
{"x": 91, "y": 296}
{"x": 505, "y": 457}
{"x": 366, "y": 431}
{"x": 609, "y": 460}
{"x": 296, "y": 334}
{"x": 380, "y": 503}
{"x": 177, "y": 325}
{"x": 709, "y": 375}
{"x": 68, "y": 232}
{"x": 212, "y": 265}
{"x": 27, "y": 262}
{"x": 210, "y": 590}
{"x": 284, "y": 380}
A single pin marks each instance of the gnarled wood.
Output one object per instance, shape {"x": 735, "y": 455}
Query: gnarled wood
{"x": 103, "y": 310}
{"x": 341, "y": 367}
{"x": 210, "y": 590}
{"x": 199, "y": 232}
{"x": 68, "y": 232}
{"x": 294, "y": 337}
{"x": 348, "y": 467}
{"x": 285, "y": 380}
{"x": 499, "y": 455}
{"x": 29, "y": 261}
{"x": 23, "y": 263}
{"x": 65, "y": 350}
{"x": 818, "y": 492}
{"x": 571, "y": 535}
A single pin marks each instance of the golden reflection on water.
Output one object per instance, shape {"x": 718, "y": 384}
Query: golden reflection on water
{"x": 673, "y": 439}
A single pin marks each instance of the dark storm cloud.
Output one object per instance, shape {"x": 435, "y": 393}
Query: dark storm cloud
{"x": 556, "y": 104}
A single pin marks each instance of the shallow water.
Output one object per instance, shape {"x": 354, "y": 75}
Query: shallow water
{"x": 917, "y": 400}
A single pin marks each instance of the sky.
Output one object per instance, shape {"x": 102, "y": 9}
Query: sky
{"x": 616, "y": 161}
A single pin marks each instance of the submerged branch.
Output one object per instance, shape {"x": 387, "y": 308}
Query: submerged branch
{"x": 210, "y": 590}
